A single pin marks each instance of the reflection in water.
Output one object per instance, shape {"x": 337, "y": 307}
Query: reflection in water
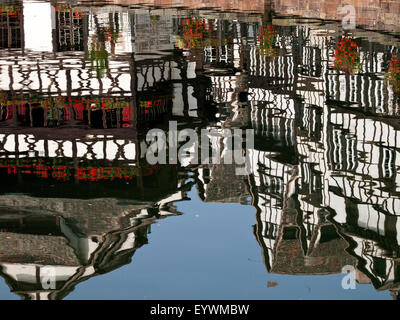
{"x": 76, "y": 102}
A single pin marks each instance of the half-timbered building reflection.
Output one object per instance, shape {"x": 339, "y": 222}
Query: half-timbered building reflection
{"x": 323, "y": 173}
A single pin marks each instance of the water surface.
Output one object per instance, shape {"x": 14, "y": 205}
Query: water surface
{"x": 81, "y": 85}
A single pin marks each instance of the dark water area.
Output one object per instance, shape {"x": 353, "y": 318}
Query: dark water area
{"x": 81, "y": 85}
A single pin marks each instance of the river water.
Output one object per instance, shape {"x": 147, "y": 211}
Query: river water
{"x": 84, "y": 213}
